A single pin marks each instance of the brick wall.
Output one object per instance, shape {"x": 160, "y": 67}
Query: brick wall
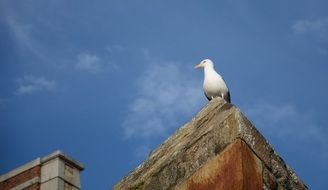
{"x": 21, "y": 178}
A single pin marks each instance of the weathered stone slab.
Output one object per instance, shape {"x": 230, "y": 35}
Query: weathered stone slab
{"x": 236, "y": 167}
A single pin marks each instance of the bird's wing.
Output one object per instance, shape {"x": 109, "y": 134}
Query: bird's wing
{"x": 209, "y": 98}
{"x": 227, "y": 97}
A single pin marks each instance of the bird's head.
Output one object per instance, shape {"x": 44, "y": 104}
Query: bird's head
{"x": 204, "y": 63}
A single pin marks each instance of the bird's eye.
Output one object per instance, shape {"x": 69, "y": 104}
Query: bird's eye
{"x": 203, "y": 61}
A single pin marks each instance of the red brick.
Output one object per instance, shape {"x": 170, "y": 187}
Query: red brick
{"x": 35, "y": 186}
{"x": 20, "y": 178}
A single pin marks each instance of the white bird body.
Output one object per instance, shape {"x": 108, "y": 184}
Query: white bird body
{"x": 214, "y": 85}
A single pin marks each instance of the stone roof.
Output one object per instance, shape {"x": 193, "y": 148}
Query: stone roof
{"x": 218, "y": 132}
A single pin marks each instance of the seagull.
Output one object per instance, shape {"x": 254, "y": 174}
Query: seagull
{"x": 214, "y": 85}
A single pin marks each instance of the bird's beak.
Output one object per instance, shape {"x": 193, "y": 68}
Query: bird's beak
{"x": 198, "y": 66}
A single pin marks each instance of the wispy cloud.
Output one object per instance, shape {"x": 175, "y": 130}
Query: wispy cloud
{"x": 88, "y": 62}
{"x": 317, "y": 27}
{"x": 23, "y": 34}
{"x": 93, "y": 63}
{"x": 165, "y": 94}
{"x": 32, "y": 85}
{"x": 323, "y": 51}
{"x": 285, "y": 122}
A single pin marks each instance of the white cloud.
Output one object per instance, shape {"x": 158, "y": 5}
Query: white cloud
{"x": 317, "y": 27}
{"x": 323, "y": 51}
{"x": 32, "y": 84}
{"x": 166, "y": 93}
{"x": 88, "y": 62}
{"x": 93, "y": 63}
{"x": 285, "y": 123}
{"x": 23, "y": 33}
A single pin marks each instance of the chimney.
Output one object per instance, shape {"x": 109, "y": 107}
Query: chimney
{"x": 219, "y": 149}
{"x": 56, "y": 171}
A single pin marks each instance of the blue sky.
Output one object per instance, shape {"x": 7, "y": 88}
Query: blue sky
{"x": 107, "y": 81}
